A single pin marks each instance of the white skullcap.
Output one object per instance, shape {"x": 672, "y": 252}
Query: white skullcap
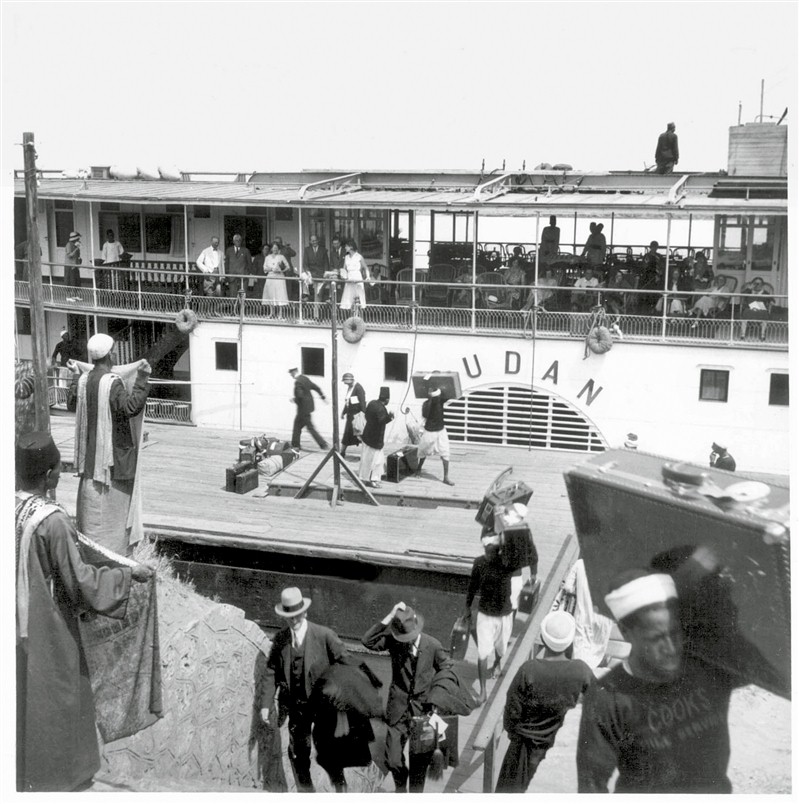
{"x": 490, "y": 538}
{"x": 557, "y": 630}
{"x": 99, "y": 345}
{"x": 64, "y": 332}
{"x": 436, "y": 392}
{"x": 641, "y": 592}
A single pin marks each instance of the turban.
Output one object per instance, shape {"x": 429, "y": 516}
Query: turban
{"x": 639, "y": 593}
{"x": 99, "y": 346}
{"x": 36, "y": 452}
{"x": 557, "y": 630}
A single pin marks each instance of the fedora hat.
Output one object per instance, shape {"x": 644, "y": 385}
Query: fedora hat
{"x": 406, "y": 625}
{"x": 292, "y": 603}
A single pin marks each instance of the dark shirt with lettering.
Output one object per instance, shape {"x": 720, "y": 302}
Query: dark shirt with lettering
{"x": 663, "y": 738}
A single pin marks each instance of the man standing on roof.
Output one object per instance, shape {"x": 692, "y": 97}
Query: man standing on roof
{"x": 667, "y": 153}
{"x": 416, "y": 657}
{"x": 543, "y": 690}
{"x": 303, "y": 398}
{"x": 434, "y": 440}
{"x": 660, "y": 717}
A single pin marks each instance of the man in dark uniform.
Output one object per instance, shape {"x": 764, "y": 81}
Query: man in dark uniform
{"x": 316, "y": 263}
{"x": 301, "y": 652}
{"x": 415, "y": 659}
{"x": 303, "y": 398}
{"x": 667, "y": 153}
{"x": 721, "y": 459}
{"x": 541, "y": 693}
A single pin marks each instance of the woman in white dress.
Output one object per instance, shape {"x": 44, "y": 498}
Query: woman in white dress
{"x": 275, "y": 267}
{"x": 355, "y": 272}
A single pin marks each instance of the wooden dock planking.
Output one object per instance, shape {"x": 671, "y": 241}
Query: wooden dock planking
{"x": 183, "y": 486}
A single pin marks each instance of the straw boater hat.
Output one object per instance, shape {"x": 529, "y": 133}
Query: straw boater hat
{"x": 74, "y": 235}
{"x": 292, "y": 602}
{"x": 557, "y": 630}
{"x": 406, "y": 625}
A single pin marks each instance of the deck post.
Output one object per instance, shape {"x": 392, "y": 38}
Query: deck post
{"x": 665, "y": 310}
{"x": 185, "y": 243}
{"x": 41, "y": 405}
{"x": 473, "y": 327}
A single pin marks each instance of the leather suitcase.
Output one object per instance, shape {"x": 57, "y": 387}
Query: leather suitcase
{"x": 629, "y": 507}
{"x": 246, "y": 481}
{"x": 247, "y": 454}
{"x": 232, "y": 472}
{"x": 528, "y": 597}
{"x": 449, "y": 382}
{"x": 515, "y": 491}
{"x": 459, "y": 639}
{"x": 401, "y": 464}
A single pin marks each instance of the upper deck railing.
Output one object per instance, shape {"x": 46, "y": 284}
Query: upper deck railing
{"x": 485, "y": 306}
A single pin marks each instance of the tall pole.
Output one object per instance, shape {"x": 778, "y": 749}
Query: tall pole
{"x": 38, "y": 331}
{"x": 334, "y": 390}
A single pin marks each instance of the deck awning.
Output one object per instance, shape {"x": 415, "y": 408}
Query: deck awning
{"x": 625, "y": 201}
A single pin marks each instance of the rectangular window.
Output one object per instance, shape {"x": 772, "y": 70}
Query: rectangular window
{"x": 227, "y": 356}
{"x": 64, "y": 222}
{"x": 158, "y": 231}
{"x": 129, "y": 233}
{"x": 202, "y": 211}
{"x": 313, "y": 361}
{"x": 778, "y": 390}
{"x": 714, "y": 385}
{"x": 395, "y": 367}
{"x": 23, "y": 320}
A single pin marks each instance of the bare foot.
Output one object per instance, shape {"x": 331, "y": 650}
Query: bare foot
{"x": 495, "y": 671}
{"x": 481, "y": 698}
{"x": 448, "y": 481}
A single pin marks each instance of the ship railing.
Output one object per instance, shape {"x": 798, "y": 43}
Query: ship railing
{"x": 171, "y": 411}
{"x": 463, "y": 306}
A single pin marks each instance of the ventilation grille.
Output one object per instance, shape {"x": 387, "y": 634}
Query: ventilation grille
{"x": 511, "y": 416}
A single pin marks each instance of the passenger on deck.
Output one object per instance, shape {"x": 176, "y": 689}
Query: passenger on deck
{"x": 275, "y": 267}
{"x": 493, "y": 261}
{"x": 491, "y": 579}
{"x": 292, "y": 285}
{"x": 515, "y": 279}
{"x": 316, "y": 263}
{"x": 756, "y": 306}
{"x": 112, "y": 249}
{"x": 257, "y": 290}
{"x": 651, "y": 276}
{"x": 706, "y": 306}
{"x": 582, "y": 300}
{"x": 416, "y": 657}
{"x": 356, "y": 272}
{"x": 701, "y": 273}
{"x": 373, "y": 459}
{"x": 595, "y": 249}
{"x": 210, "y": 263}
{"x": 72, "y": 262}
{"x": 543, "y": 690}
{"x": 676, "y": 284}
{"x": 615, "y": 297}
{"x": 550, "y": 240}
{"x": 238, "y": 262}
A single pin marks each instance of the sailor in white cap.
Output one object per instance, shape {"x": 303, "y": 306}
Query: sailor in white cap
{"x": 660, "y": 717}
{"x": 301, "y": 652}
{"x": 105, "y": 449}
{"x": 543, "y": 690}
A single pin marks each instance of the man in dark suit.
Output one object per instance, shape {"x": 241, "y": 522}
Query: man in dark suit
{"x": 415, "y": 659}
{"x": 238, "y": 260}
{"x": 301, "y": 652}
{"x": 667, "y": 153}
{"x": 315, "y": 261}
{"x": 337, "y": 255}
{"x": 303, "y": 398}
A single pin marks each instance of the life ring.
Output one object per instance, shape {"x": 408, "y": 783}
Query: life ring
{"x": 353, "y": 329}
{"x": 186, "y": 321}
{"x": 600, "y": 340}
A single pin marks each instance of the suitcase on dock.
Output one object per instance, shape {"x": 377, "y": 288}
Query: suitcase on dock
{"x": 232, "y": 472}
{"x": 246, "y": 481}
{"x": 630, "y": 507}
{"x": 401, "y": 464}
{"x": 459, "y": 639}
